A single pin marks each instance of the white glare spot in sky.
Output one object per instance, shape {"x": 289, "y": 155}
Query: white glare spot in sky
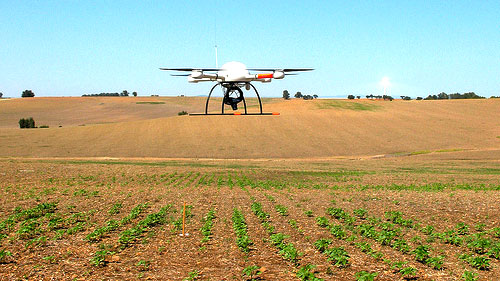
{"x": 385, "y": 82}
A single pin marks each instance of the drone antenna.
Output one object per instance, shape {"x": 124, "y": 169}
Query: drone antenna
{"x": 216, "y": 63}
{"x": 215, "y": 35}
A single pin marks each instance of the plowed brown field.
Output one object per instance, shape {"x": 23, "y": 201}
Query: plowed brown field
{"x": 318, "y": 128}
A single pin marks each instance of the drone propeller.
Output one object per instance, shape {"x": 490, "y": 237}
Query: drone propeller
{"x": 190, "y": 69}
{"x": 284, "y": 70}
{"x": 180, "y": 74}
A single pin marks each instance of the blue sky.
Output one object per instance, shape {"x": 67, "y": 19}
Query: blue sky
{"x": 69, "y": 48}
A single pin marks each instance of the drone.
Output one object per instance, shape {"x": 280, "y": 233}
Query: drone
{"x": 232, "y": 78}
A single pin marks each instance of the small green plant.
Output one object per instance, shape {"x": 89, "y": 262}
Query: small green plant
{"x": 282, "y": 210}
{"x": 338, "y": 256}
{"x": 322, "y": 244}
{"x": 435, "y": 262}
{"x": 99, "y": 258}
{"x": 364, "y": 247}
{"x": 428, "y": 230}
{"x": 293, "y": 224}
{"x": 309, "y": 213}
{"x": 115, "y": 209}
{"x": 421, "y": 253}
{"x": 360, "y": 213}
{"x": 469, "y": 276}
{"x": 401, "y": 245}
{"x": 3, "y": 256}
{"x": 193, "y": 275}
{"x": 478, "y": 262}
{"x": 50, "y": 259}
{"x": 408, "y": 272}
{"x": 338, "y": 231}
{"x": 306, "y": 273}
{"x": 365, "y": 276}
{"x": 289, "y": 252}
{"x": 143, "y": 265}
{"x": 480, "y": 227}
{"x": 322, "y": 221}
{"x": 495, "y": 232}
{"x": 251, "y": 272}
{"x": 462, "y": 228}
{"x": 180, "y": 113}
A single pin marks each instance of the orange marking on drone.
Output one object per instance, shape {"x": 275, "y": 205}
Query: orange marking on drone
{"x": 265, "y": 75}
{"x": 276, "y": 113}
{"x": 237, "y": 113}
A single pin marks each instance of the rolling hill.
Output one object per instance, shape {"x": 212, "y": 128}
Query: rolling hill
{"x": 150, "y": 127}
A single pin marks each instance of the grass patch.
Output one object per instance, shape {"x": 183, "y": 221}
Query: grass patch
{"x": 450, "y": 150}
{"x": 420, "y": 152}
{"x": 348, "y": 105}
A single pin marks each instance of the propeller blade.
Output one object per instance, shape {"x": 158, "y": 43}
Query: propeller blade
{"x": 190, "y": 69}
{"x": 180, "y": 74}
{"x": 278, "y": 69}
{"x": 297, "y": 69}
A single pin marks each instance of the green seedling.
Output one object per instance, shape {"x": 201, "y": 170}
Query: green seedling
{"x": 306, "y": 273}
{"x": 282, "y": 210}
{"x": 322, "y": 244}
{"x": 193, "y": 275}
{"x": 469, "y": 276}
{"x": 360, "y": 213}
{"x": 251, "y": 272}
{"x": 322, "y": 221}
{"x": 365, "y": 276}
{"x": 115, "y": 209}
{"x": 338, "y": 256}
{"x": 3, "y": 256}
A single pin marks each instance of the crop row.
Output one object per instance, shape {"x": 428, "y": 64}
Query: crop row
{"x": 286, "y": 249}
{"x": 112, "y": 225}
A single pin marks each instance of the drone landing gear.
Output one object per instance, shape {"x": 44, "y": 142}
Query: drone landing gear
{"x": 233, "y": 94}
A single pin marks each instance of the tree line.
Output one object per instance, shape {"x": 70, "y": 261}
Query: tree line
{"x": 440, "y": 96}
{"x": 298, "y": 95}
{"x": 445, "y": 96}
{"x": 125, "y": 93}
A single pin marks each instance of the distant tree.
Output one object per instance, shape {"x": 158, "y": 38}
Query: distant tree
{"x": 315, "y": 96}
{"x": 124, "y": 93}
{"x": 419, "y": 98}
{"x": 27, "y": 94}
{"x": 431, "y": 97}
{"x": 495, "y": 97}
{"x": 442, "y": 96}
{"x": 286, "y": 94}
{"x": 134, "y": 94}
{"x": 351, "y": 97}
{"x": 26, "y": 123}
{"x": 358, "y": 97}
{"x": 298, "y": 95}
{"x": 370, "y": 96}
{"x": 472, "y": 95}
{"x": 1, "y": 95}
{"x": 405, "y": 98}
{"x": 307, "y": 97}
